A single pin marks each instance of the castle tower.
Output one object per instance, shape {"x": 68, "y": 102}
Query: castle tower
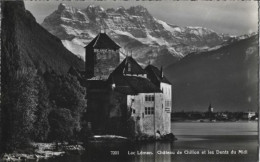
{"x": 210, "y": 108}
{"x": 210, "y": 112}
{"x": 102, "y": 57}
{"x": 157, "y": 77}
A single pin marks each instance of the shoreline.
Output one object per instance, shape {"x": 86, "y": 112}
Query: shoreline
{"x": 183, "y": 131}
{"x": 215, "y": 128}
{"x": 214, "y": 137}
{"x": 46, "y": 151}
{"x": 198, "y": 121}
{"x": 43, "y": 151}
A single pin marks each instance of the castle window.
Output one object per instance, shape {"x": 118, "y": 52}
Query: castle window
{"x": 149, "y": 110}
{"x": 168, "y": 107}
{"x": 129, "y": 67}
{"x": 152, "y": 110}
{"x": 167, "y": 103}
{"x": 149, "y": 97}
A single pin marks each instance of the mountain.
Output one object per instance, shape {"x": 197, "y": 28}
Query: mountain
{"x": 25, "y": 43}
{"x": 134, "y": 29}
{"x": 227, "y": 77}
{"x": 35, "y": 81}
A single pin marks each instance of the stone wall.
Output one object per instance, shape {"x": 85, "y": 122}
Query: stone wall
{"x": 106, "y": 61}
{"x": 118, "y": 115}
{"x": 167, "y": 106}
{"x": 98, "y": 109}
{"x": 134, "y": 102}
{"x": 147, "y": 123}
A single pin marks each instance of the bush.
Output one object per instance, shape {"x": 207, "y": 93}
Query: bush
{"x": 62, "y": 125}
{"x": 68, "y": 97}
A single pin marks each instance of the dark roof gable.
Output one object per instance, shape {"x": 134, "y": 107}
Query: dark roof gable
{"x": 132, "y": 85}
{"x": 103, "y": 41}
{"x": 123, "y": 67}
{"x": 155, "y": 74}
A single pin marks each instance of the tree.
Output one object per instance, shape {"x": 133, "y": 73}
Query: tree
{"x": 66, "y": 94}
{"x": 19, "y": 109}
{"x": 41, "y": 125}
{"x": 62, "y": 125}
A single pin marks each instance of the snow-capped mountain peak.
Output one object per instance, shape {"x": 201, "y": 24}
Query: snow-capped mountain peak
{"x": 96, "y": 9}
{"x": 64, "y": 8}
{"x": 134, "y": 29}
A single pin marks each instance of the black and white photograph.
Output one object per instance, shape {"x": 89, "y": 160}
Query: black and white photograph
{"x": 129, "y": 81}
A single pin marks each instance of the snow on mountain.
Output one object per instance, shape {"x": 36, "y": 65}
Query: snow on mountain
{"x": 169, "y": 28}
{"x": 134, "y": 29}
{"x": 75, "y": 48}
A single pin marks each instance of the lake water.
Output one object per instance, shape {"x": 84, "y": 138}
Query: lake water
{"x": 197, "y": 142}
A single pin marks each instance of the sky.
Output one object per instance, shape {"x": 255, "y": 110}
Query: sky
{"x": 229, "y": 17}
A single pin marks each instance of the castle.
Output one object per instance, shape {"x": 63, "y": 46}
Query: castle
{"x": 123, "y": 98}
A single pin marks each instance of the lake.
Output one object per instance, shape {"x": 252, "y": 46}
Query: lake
{"x": 197, "y": 142}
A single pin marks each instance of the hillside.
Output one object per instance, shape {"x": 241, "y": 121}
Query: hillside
{"x": 134, "y": 29}
{"x": 25, "y": 43}
{"x": 227, "y": 77}
{"x": 36, "y": 92}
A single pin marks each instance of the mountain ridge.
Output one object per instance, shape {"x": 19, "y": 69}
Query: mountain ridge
{"x": 135, "y": 29}
{"x": 226, "y": 77}
{"x": 44, "y": 51}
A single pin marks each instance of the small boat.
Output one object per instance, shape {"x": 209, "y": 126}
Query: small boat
{"x": 108, "y": 138}
{"x": 111, "y": 141}
{"x": 107, "y": 145}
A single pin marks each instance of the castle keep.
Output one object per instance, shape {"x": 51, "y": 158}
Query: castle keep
{"x": 124, "y": 98}
{"x": 102, "y": 56}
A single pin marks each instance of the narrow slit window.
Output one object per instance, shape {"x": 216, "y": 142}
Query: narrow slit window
{"x": 129, "y": 67}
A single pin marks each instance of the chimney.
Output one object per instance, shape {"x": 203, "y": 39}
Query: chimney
{"x": 105, "y": 29}
{"x": 113, "y": 85}
{"x": 161, "y": 72}
{"x": 209, "y": 106}
{"x": 100, "y": 29}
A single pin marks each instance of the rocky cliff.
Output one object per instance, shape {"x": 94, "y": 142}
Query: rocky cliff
{"x": 134, "y": 29}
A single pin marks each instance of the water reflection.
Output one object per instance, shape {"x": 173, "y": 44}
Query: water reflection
{"x": 143, "y": 152}
{"x": 158, "y": 150}
{"x": 188, "y": 146}
{"x": 192, "y": 137}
